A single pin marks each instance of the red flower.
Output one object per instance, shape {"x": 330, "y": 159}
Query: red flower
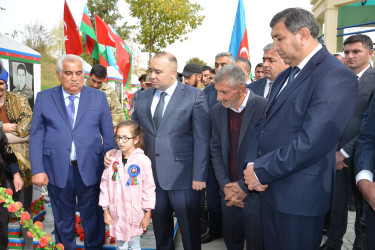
{"x": 1, "y": 200}
{"x": 39, "y": 224}
{"x": 81, "y": 237}
{"x": 25, "y": 216}
{"x": 42, "y": 207}
{"x": 43, "y": 241}
{"x": 112, "y": 240}
{"x": 76, "y": 226}
{"x": 19, "y": 204}
{"x": 12, "y": 208}
{"x": 80, "y": 231}
{"x": 78, "y": 220}
{"x": 107, "y": 234}
{"x": 36, "y": 212}
{"x": 9, "y": 191}
{"x": 61, "y": 246}
{"x": 30, "y": 234}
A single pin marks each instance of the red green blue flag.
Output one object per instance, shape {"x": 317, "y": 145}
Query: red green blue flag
{"x": 239, "y": 46}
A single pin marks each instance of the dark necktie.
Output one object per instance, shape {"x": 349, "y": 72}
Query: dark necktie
{"x": 158, "y": 114}
{"x": 292, "y": 74}
{"x": 269, "y": 90}
{"x": 71, "y": 109}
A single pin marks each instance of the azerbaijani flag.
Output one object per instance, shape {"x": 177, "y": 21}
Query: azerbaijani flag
{"x": 92, "y": 47}
{"x": 239, "y": 46}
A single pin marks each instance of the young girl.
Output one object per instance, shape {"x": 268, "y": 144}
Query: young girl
{"x": 127, "y": 188}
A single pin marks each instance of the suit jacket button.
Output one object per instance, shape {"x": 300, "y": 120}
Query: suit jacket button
{"x": 157, "y": 154}
{"x": 262, "y": 132}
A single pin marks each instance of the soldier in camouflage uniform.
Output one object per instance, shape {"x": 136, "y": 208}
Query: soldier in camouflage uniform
{"x": 96, "y": 80}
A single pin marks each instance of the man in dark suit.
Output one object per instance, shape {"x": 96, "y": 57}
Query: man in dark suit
{"x": 233, "y": 122}
{"x": 70, "y": 131}
{"x": 358, "y": 50}
{"x": 364, "y": 166}
{"x": 273, "y": 64}
{"x": 299, "y": 131}
{"x": 177, "y": 127}
{"x": 212, "y": 190}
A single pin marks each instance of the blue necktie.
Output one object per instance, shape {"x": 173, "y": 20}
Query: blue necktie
{"x": 292, "y": 74}
{"x": 71, "y": 109}
{"x": 158, "y": 114}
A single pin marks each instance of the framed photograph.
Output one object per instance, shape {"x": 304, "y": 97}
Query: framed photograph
{"x": 21, "y": 78}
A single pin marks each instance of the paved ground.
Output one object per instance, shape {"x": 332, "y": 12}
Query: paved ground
{"x": 148, "y": 240}
{"x": 219, "y": 244}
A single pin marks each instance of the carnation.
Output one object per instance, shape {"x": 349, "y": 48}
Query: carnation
{"x": 39, "y": 224}
{"x": 43, "y": 241}
{"x": 61, "y": 246}
{"x": 19, "y": 204}
{"x": 9, "y": 191}
{"x": 25, "y": 216}
{"x": 12, "y": 208}
{"x": 30, "y": 234}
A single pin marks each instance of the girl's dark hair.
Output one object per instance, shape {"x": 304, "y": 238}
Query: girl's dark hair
{"x": 136, "y": 131}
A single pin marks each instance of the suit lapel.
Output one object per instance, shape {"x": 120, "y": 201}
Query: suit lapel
{"x": 247, "y": 116}
{"x": 364, "y": 80}
{"x": 58, "y": 98}
{"x": 304, "y": 73}
{"x": 82, "y": 105}
{"x": 149, "y": 98}
{"x": 173, "y": 102}
{"x": 224, "y": 131}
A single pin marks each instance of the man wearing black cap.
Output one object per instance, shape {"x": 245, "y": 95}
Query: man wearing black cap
{"x": 145, "y": 84}
{"x": 193, "y": 75}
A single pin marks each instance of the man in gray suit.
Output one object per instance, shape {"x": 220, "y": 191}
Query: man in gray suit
{"x": 273, "y": 64}
{"x": 177, "y": 127}
{"x": 233, "y": 122}
{"x": 358, "y": 50}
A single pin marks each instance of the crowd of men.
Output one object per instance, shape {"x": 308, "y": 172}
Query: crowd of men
{"x": 273, "y": 159}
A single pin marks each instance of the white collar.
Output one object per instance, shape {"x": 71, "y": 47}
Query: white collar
{"x": 243, "y": 105}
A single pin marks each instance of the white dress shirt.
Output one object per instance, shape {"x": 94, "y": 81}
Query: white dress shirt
{"x": 167, "y": 97}
{"x": 267, "y": 88}
{"x": 73, "y": 154}
{"x": 243, "y": 104}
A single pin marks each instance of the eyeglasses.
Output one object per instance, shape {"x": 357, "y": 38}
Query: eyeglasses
{"x": 122, "y": 138}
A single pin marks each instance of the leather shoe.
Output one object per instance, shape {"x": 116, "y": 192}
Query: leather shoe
{"x": 208, "y": 238}
{"x": 325, "y": 247}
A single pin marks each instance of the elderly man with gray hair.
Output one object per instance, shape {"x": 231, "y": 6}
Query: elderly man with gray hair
{"x": 71, "y": 130}
{"x": 233, "y": 122}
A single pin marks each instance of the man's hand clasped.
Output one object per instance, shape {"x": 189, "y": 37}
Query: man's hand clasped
{"x": 234, "y": 194}
{"x": 252, "y": 181}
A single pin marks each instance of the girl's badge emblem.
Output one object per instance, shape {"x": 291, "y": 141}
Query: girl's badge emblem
{"x": 133, "y": 172}
{"x": 115, "y": 170}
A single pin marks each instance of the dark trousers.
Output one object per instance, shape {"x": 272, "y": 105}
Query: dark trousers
{"x": 370, "y": 227}
{"x": 4, "y": 217}
{"x": 185, "y": 203}
{"x": 243, "y": 223}
{"x": 63, "y": 201}
{"x": 213, "y": 204}
{"x": 290, "y": 232}
{"x": 339, "y": 212}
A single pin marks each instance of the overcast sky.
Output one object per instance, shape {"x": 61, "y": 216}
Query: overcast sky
{"x": 212, "y": 37}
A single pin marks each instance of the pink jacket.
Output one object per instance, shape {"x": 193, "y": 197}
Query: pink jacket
{"x": 127, "y": 203}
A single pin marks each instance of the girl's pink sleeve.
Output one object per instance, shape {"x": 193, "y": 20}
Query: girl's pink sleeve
{"x": 104, "y": 190}
{"x": 148, "y": 192}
